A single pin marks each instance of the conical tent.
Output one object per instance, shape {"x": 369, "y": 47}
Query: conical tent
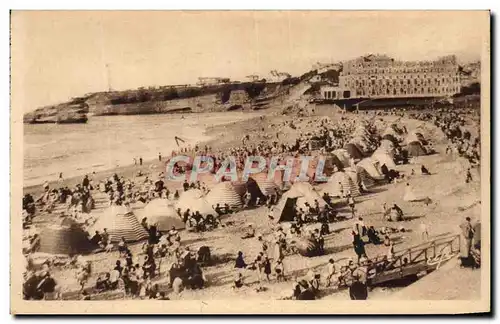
{"x": 415, "y": 149}
{"x": 386, "y": 145}
{"x": 366, "y": 180}
{"x": 267, "y": 186}
{"x": 361, "y": 143}
{"x": 64, "y": 239}
{"x": 383, "y": 158}
{"x": 343, "y": 156}
{"x": 121, "y": 222}
{"x": 194, "y": 200}
{"x": 414, "y": 137}
{"x": 340, "y": 184}
{"x": 299, "y": 194}
{"x": 353, "y": 151}
{"x": 161, "y": 213}
{"x": 369, "y": 166}
{"x": 224, "y": 193}
{"x": 331, "y": 164}
{"x": 392, "y": 138}
{"x": 240, "y": 187}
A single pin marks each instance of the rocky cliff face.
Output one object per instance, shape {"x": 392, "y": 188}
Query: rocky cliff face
{"x": 163, "y": 100}
{"x": 71, "y": 112}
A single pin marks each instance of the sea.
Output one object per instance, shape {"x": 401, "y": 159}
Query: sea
{"x": 106, "y": 142}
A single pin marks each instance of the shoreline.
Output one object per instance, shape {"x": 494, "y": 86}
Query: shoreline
{"x": 149, "y": 166}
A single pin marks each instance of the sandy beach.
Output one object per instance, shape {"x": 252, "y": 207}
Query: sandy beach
{"x": 452, "y": 200}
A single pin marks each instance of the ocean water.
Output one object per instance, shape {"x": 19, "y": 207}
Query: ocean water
{"x": 109, "y": 141}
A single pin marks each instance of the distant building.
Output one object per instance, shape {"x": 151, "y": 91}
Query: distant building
{"x": 202, "y": 81}
{"x": 329, "y": 92}
{"x": 379, "y": 76}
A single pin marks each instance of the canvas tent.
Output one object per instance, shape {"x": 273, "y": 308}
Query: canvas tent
{"x": 384, "y": 158}
{"x": 414, "y": 137}
{"x": 361, "y": 178}
{"x": 415, "y": 149}
{"x": 194, "y": 200}
{"x": 343, "y": 157}
{"x": 64, "y": 239}
{"x": 266, "y": 186}
{"x": 297, "y": 196}
{"x": 369, "y": 165}
{"x": 121, "y": 222}
{"x": 353, "y": 151}
{"x": 161, "y": 213}
{"x": 386, "y": 145}
{"x": 224, "y": 193}
{"x": 340, "y": 184}
{"x": 391, "y": 138}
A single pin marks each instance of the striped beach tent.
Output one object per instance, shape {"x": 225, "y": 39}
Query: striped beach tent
{"x": 340, "y": 184}
{"x": 64, "y": 239}
{"x": 224, "y": 193}
{"x": 361, "y": 178}
{"x": 121, "y": 222}
{"x": 267, "y": 186}
{"x": 161, "y": 213}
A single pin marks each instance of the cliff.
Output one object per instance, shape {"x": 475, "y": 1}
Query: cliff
{"x": 164, "y": 100}
{"x": 74, "y": 111}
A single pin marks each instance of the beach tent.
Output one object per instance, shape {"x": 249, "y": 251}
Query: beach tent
{"x": 362, "y": 144}
{"x": 194, "y": 200}
{"x": 360, "y": 177}
{"x": 64, "y": 239}
{"x": 392, "y": 138}
{"x": 389, "y": 131}
{"x": 369, "y": 166}
{"x": 343, "y": 157}
{"x": 334, "y": 189}
{"x": 285, "y": 209}
{"x": 387, "y": 145}
{"x": 121, "y": 222}
{"x": 297, "y": 196}
{"x": 414, "y": 137}
{"x": 415, "y": 149}
{"x": 224, "y": 193}
{"x": 332, "y": 164}
{"x": 353, "y": 151}
{"x": 253, "y": 188}
{"x": 240, "y": 187}
{"x": 384, "y": 158}
{"x": 161, "y": 213}
{"x": 266, "y": 186}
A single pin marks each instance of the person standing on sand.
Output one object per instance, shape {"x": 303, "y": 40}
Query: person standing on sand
{"x": 159, "y": 157}
{"x": 135, "y": 161}
{"x": 140, "y": 160}
{"x": 468, "y": 176}
{"x": 467, "y": 234}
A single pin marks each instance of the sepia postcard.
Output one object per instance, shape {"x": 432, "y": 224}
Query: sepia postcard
{"x": 250, "y": 162}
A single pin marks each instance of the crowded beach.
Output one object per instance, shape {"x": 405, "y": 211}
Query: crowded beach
{"x": 389, "y": 181}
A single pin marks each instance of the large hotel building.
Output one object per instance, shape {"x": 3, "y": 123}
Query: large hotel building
{"x": 379, "y": 76}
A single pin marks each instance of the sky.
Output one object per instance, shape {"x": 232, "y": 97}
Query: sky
{"x": 56, "y": 55}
